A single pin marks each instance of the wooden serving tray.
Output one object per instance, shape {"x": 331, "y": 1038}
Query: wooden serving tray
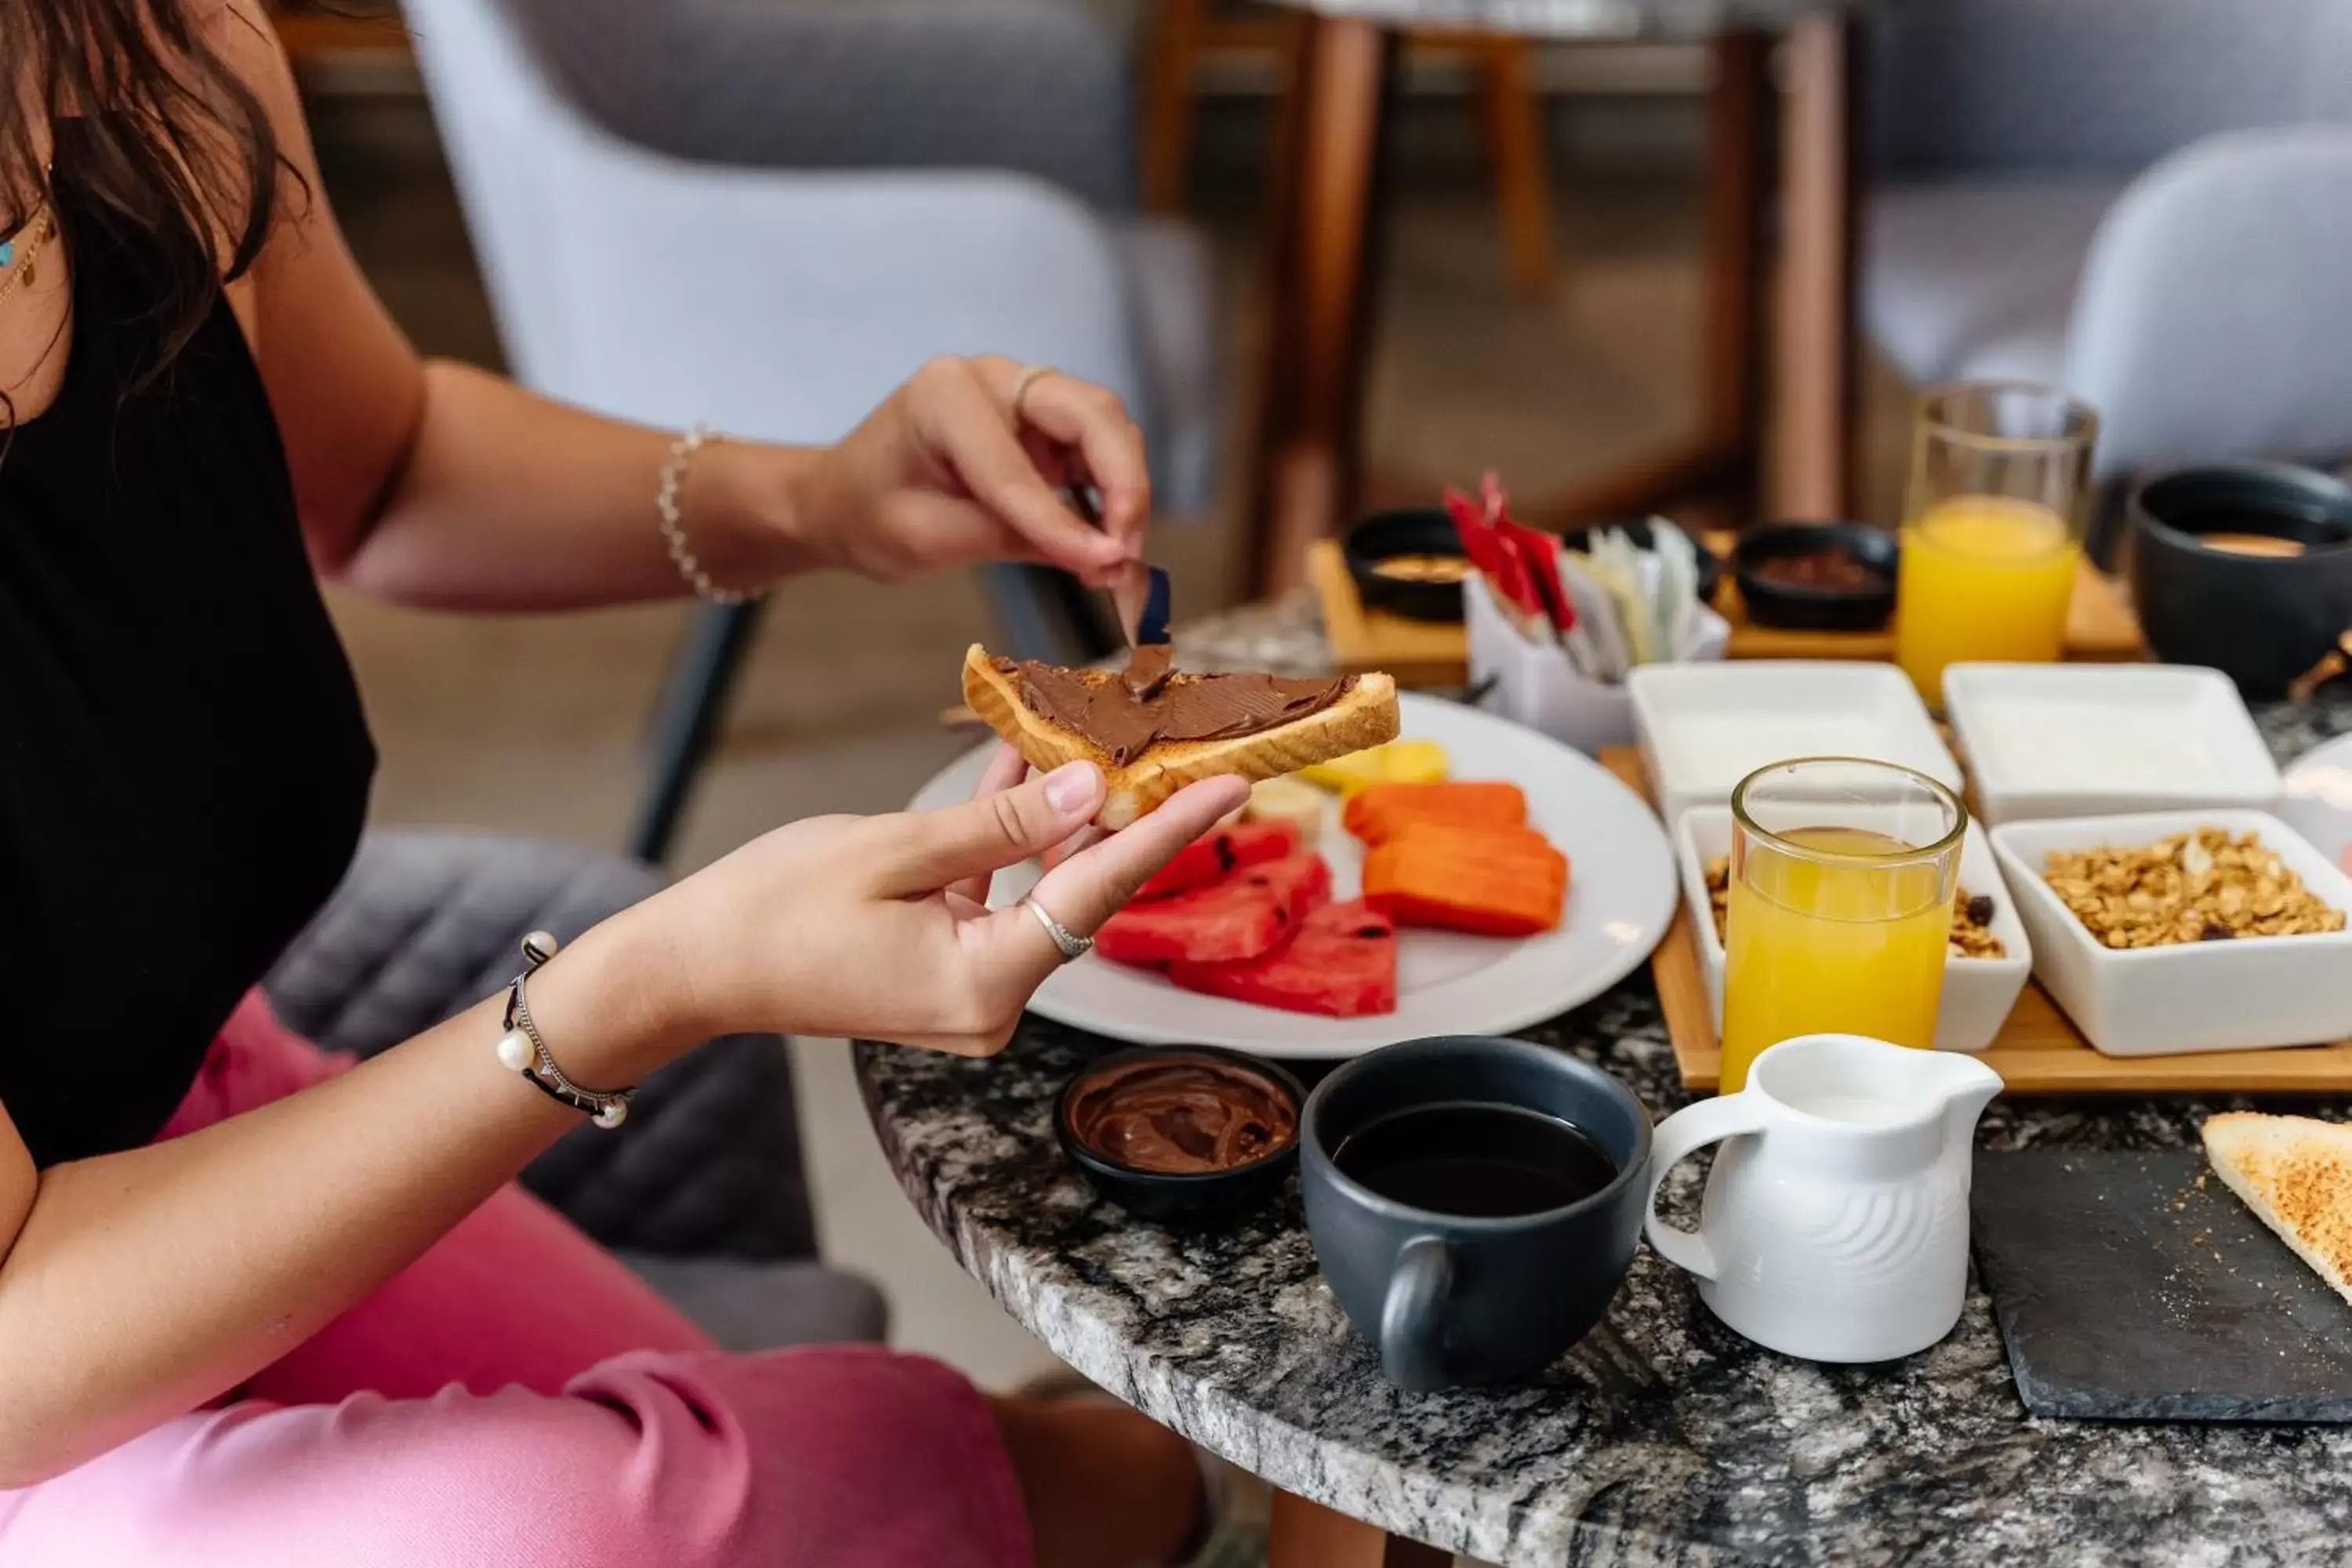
{"x": 2100, "y": 626}
{"x": 2037, "y": 1051}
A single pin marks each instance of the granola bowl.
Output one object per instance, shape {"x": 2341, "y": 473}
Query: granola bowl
{"x": 2180, "y": 961}
{"x": 1981, "y": 985}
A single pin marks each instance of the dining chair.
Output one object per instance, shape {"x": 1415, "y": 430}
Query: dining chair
{"x": 2025, "y": 214}
{"x": 766, "y": 216}
{"x": 701, "y": 1191}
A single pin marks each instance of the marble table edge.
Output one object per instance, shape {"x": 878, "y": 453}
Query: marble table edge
{"x": 1403, "y": 1500}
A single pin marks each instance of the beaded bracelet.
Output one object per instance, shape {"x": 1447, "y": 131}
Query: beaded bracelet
{"x": 672, "y": 518}
{"x": 523, "y": 1049}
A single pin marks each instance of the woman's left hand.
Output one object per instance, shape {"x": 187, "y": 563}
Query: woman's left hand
{"x": 948, "y": 471}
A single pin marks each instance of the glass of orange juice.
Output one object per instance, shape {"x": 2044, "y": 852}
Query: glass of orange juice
{"x": 1992, "y": 527}
{"x": 1843, "y": 874}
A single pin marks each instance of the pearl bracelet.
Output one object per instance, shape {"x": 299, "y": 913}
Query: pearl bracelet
{"x": 522, "y": 1050}
{"x": 672, "y": 519}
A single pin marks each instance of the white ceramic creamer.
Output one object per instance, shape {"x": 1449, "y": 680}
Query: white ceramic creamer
{"x": 1836, "y": 1221}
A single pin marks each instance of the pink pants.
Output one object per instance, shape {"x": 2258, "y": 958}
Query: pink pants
{"x": 516, "y": 1398}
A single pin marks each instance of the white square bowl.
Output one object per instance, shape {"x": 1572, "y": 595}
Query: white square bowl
{"x": 1704, "y": 727}
{"x": 2086, "y": 740}
{"x": 2239, "y": 996}
{"x": 1978, "y": 992}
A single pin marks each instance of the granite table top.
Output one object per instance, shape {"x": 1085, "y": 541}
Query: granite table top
{"x": 1663, "y": 1437}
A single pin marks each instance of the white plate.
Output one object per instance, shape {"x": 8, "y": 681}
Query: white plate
{"x": 1978, "y": 992}
{"x": 2318, "y": 799}
{"x": 2049, "y": 740}
{"x": 1704, "y": 727}
{"x": 1621, "y": 896}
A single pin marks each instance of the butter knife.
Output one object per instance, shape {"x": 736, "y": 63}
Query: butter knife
{"x": 1140, "y": 596}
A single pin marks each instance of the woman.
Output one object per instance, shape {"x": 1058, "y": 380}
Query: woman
{"x": 256, "y": 1309}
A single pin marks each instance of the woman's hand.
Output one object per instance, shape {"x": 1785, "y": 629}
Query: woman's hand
{"x": 947, "y": 472}
{"x": 876, "y": 927}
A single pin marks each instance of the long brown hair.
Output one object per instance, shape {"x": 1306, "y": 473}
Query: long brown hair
{"x": 169, "y": 143}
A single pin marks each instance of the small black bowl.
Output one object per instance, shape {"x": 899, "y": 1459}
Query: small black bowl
{"x": 2261, "y": 620}
{"x": 1793, "y": 606}
{"x": 1710, "y": 565}
{"x": 1182, "y": 1197}
{"x": 1409, "y": 530}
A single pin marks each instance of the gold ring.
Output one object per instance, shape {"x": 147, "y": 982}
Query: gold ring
{"x": 1030, "y": 376}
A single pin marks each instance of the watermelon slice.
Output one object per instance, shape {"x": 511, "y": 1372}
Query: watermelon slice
{"x": 1242, "y": 916}
{"x": 1341, "y": 964}
{"x": 1217, "y": 854}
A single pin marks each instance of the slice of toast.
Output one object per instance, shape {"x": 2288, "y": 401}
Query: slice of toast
{"x": 2296, "y": 1174}
{"x": 1365, "y": 715}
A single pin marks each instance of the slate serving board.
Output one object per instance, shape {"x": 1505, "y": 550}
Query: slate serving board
{"x": 2125, "y": 1290}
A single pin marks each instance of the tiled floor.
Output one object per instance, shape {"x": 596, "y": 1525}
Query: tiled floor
{"x": 534, "y": 725}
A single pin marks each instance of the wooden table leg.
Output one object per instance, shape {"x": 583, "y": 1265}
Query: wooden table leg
{"x": 1321, "y": 237}
{"x": 1308, "y": 1535}
{"x": 1731, "y": 411}
{"x": 1815, "y": 379}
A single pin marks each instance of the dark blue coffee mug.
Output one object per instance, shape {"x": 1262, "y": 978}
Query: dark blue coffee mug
{"x": 1451, "y": 1299}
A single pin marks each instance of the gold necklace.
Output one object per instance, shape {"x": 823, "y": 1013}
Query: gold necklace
{"x": 37, "y": 234}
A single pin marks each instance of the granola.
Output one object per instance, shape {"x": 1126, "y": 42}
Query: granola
{"x": 1972, "y": 916}
{"x": 2207, "y": 886}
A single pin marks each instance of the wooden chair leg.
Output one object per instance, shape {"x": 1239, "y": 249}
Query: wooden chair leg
{"x": 1308, "y": 1535}
{"x": 1730, "y": 387}
{"x": 1514, "y": 145}
{"x": 1180, "y": 31}
{"x": 1321, "y": 237}
{"x": 1813, "y": 348}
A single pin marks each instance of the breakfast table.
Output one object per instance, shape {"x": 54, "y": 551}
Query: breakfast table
{"x": 1663, "y": 1437}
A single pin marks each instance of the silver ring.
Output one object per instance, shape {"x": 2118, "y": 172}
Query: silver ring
{"x": 1073, "y": 947}
{"x": 1031, "y": 374}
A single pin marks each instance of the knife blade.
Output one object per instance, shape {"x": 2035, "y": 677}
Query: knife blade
{"x": 1140, "y": 597}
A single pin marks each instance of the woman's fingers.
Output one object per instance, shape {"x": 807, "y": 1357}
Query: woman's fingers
{"x": 933, "y": 850}
{"x": 1094, "y": 421}
{"x": 965, "y": 423}
{"x": 1088, "y": 887}
{"x": 1004, "y": 770}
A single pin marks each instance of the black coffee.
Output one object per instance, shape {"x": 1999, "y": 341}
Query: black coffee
{"x": 1478, "y": 1159}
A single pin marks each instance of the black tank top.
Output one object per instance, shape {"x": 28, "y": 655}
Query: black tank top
{"x": 183, "y": 763}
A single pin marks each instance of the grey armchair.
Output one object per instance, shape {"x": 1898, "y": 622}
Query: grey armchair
{"x": 701, "y": 1191}
{"x": 2085, "y": 193}
{"x": 766, "y": 213}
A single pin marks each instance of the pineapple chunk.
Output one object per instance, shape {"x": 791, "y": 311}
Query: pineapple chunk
{"x": 1399, "y": 762}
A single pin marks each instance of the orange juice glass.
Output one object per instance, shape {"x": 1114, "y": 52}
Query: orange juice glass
{"x": 1843, "y": 874}
{"x": 1993, "y": 528}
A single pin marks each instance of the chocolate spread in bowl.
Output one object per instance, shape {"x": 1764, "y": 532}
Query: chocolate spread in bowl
{"x": 1126, "y": 715}
{"x": 1182, "y": 1114}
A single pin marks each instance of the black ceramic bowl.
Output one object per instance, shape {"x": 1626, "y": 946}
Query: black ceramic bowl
{"x": 1193, "y": 1197}
{"x": 1710, "y": 565}
{"x": 1803, "y": 608}
{"x": 2259, "y": 619}
{"x": 1409, "y": 534}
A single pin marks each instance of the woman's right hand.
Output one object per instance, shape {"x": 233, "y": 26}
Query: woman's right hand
{"x": 877, "y": 928}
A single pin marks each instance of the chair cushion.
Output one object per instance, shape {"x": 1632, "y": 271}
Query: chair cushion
{"x": 1978, "y": 278}
{"x": 1044, "y": 87}
{"x": 427, "y": 922}
{"x": 765, "y": 1306}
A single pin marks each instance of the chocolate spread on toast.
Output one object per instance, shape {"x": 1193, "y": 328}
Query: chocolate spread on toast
{"x": 1127, "y": 714}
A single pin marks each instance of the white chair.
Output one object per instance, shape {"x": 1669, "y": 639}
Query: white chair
{"x": 2143, "y": 201}
{"x": 785, "y": 304}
